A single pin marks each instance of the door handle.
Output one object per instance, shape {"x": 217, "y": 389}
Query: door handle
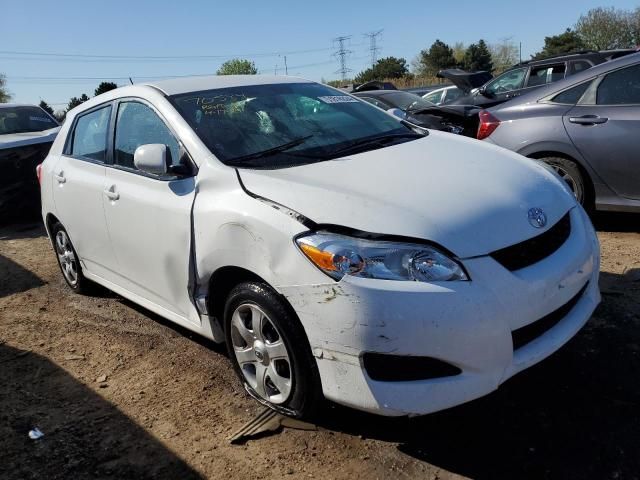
{"x": 588, "y": 120}
{"x": 111, "y": 193}
{"x": 60, "y": 177}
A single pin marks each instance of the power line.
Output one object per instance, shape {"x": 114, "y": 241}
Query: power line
{"x": 341, "y": 54}
{"x": 159, "y": 57}
{"x": 373, "y": 45}
{"x": 36, "y": 79}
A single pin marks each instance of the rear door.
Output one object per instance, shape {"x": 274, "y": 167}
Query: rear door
{"x": 78, "y": 182}
{"x": 605, "y": 127}
{"x": 149, "y": 216}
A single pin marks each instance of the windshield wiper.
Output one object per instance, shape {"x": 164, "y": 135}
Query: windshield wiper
{"x": 379, "y": 140}
{"x": 268, "y": 152}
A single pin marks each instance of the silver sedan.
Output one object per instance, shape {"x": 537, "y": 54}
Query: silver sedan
{"x": 586, "y": 127}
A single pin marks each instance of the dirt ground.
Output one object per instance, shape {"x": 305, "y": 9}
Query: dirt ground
{"x": 170, "y": 399}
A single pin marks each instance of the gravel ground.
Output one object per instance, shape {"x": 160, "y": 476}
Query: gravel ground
{"x": 121, "y": 393}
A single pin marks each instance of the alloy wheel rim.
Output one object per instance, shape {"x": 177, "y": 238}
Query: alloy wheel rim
{"x": 569, "y": 180}
{"x": 261, "y": 353}
{"x": 67, "y": 258}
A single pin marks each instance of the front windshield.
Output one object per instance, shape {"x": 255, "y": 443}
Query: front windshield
{"x": 24, "y": 119}
{"x": 283, "y": 125}
{"x": 407, "y": 101}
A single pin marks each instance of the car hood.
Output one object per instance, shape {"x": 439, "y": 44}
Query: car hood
{"x": 465, "y": 81}
{"x": 13, "y": 140}
{"x": 470, "y": 197}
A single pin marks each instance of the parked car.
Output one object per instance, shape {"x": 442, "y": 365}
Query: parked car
{"x": 586, "y": 127}
{"x": 337, "y": 250}
{"x": 422, "y": 91}
{"x": 527, "y": 76}
{"x": 26, "y": 134}
{"x": 417, "y": 110}
{"x": 443, "y": 95}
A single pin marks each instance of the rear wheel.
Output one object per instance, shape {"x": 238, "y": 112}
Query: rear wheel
{"x": 68, "y": 260}
{"x": 571, "y": 174}
{"x": 270, "y": 352}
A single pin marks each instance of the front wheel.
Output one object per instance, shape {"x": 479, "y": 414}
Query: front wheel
{"x": 270, "y": 352}
{"x": 571, "y": 174}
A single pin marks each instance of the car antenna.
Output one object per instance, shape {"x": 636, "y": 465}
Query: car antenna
{"x": 131, "y": 80}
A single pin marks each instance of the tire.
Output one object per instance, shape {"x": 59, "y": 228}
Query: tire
{"x": 571, "y": 174}
{"x": 68, "y": 260}
{"x": 270, "y": 352}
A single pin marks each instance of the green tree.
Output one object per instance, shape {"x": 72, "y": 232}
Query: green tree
{"x": 5, "y": 96}
{"x": 438, "y": 57}
{"x": 566, "y": 42}
{"x": 237, "y": 66}
{"x": 504, "y": 54}
{"x": 634, "y": 26}
{"x": 478, "y": 57}
{"x": 458, "y": 52}
{"x": 606, "y": 28}
{"x": 389, "y": 67}
{"x": 75, "y": 101}
{"x": 104, "y": 87}
{"x": 45, "y": 106}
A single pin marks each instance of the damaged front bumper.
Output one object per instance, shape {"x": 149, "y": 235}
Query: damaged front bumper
{"x": 467, "y": 325}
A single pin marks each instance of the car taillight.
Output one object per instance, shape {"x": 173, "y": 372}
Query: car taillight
{"x": 39, "y": 173}
{"x": 488, "y": 123}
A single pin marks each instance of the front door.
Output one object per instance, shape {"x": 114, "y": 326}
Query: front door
{"x": 79, "y": 180}
{"x": 605, "y": 127}
{"x": 148, "y": 216}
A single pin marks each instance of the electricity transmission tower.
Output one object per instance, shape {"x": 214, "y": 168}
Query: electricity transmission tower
{"x": 373, "y": 45}
{"x": 341, "y": 54}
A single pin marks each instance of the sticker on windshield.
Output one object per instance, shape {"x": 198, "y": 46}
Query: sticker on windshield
{"x": 338, "y": 99}
{"x": 39, "y": 119}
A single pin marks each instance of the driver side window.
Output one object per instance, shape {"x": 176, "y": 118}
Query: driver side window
{"x": 137, "y": 124}
{"x": 508, "y": 81}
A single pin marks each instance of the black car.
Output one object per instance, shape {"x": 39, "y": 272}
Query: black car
{"x": 526, "y": 76}
{"x": 26, "y": 135}
{"x": 458, "y": 119}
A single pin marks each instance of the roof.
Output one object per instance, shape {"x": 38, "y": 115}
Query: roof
{"x": 586, "y": 54}
{"x": 572, "y": 80}
{"x": 12, "y": 105}
{"x": 176, "y": 86}
{"x": 379, "y": 93}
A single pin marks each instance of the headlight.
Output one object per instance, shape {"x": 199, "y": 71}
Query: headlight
{"x": 340, "y": 255}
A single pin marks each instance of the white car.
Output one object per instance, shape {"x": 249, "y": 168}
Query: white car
{"x": 338, "y": 251}
{"x": 443, "y": 95}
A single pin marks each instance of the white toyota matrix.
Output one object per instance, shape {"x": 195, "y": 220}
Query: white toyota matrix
{"x": 338, "y": 251}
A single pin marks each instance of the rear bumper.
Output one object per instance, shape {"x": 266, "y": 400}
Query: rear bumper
{"x": 466, "y": 324}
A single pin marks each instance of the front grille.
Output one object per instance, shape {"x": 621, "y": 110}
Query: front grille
{"x": 531, "y": 251}
{"x": 528, "y": 333}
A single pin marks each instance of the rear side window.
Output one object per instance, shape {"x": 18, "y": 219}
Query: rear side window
{"x": 452, "y": 94}
{"x": 90, "y": 135}
{"x": 621, "y": 87}
{"x": 546, "y": 74}
{"x": 571, "y": 96}
{"x": 137, "y": 124}
{"x": 433, "y": 97}
{"x": 579, "y": 66}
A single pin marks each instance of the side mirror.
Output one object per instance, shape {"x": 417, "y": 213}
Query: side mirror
{"x": 396, "y": 112}
{"x": 483, "y": 91}
{"x": 151, "y": 158}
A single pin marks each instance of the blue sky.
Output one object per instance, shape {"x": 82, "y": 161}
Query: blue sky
{"x": 256, "y": 29}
